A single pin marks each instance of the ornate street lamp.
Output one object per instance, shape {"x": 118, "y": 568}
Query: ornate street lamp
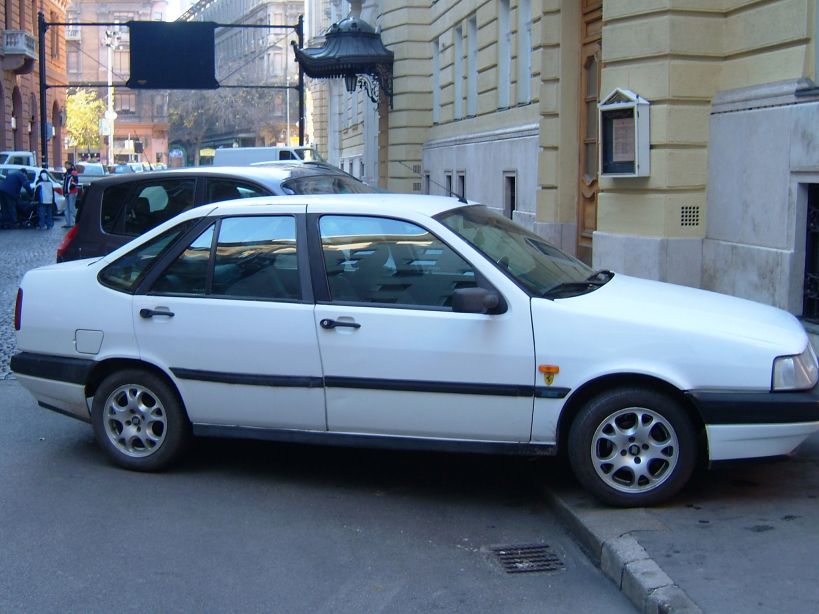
{"x": 352, "y": 50}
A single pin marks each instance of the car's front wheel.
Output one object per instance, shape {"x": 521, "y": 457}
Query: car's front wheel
{"x": 632, "y": 447}
{"x": 139, "y": 421}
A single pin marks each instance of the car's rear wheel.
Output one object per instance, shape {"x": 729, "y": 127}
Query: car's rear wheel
{"x": 139, "y": 421}
{"x": 632, "y": 447}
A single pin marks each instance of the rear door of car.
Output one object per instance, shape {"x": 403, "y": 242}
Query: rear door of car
{"x": 230, "y": 315}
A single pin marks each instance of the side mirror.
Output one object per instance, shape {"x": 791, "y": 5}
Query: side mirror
{"x": 474, "y": 300}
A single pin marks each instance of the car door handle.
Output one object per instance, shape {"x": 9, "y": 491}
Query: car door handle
{"x": 150, "y": 313}
{"x": 328, "y": 323}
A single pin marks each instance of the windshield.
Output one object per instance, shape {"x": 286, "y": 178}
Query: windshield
{"x": 535, "y": 264}
{"x": 325, "y": 184}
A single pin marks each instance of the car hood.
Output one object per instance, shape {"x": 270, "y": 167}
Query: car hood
{"x": 642, "y": 326}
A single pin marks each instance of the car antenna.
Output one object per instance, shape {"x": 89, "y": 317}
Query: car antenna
{"x": 450, "y": 191}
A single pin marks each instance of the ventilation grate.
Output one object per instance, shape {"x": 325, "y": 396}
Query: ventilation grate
{"x": 530, "y": 558}
{"x": 690, "y": 215}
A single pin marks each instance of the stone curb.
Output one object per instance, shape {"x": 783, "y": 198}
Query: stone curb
{"x": 605, "y": 534}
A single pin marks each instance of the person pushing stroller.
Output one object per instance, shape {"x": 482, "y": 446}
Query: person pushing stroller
{"x": 10, "y": 196}
{"x": 46, "y": 199}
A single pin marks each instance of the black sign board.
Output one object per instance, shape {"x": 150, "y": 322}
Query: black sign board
{"x": 175, "y": 55}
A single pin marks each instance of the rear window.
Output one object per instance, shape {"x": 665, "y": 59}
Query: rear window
{"x": 325, "y": 184}
{"x": 134, "y": 208}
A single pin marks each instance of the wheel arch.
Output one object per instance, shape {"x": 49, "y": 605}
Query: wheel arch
{"x": 594, "y": 387}
{"x": 106, "y": 367}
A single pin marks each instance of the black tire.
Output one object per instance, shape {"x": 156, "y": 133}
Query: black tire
{"x": 632, "y": 447}
{"x": 54, "y": 211}
{"x": 139, "y": 421}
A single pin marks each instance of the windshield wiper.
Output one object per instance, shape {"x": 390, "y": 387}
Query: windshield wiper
{"x": 576, "y": 288}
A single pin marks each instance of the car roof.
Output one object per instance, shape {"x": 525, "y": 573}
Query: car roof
{"x": 262, "y": 174}
{"x": 380, "y": 203}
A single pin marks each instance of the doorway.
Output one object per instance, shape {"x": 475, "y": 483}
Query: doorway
{"x": 591, "y": 45}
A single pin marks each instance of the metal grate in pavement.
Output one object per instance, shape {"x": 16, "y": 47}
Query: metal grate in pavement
{"x": 528, "y": 558}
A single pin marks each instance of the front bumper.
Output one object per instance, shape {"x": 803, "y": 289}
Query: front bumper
{"x": 756, "y": 424}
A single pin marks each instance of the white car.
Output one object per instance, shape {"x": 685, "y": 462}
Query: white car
{"x": 408, "y": 321}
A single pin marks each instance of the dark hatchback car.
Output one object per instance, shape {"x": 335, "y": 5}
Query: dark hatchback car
{"x": 118, "y": 208}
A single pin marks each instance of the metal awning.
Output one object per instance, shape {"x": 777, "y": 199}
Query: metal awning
{"x": 352, "y": 50}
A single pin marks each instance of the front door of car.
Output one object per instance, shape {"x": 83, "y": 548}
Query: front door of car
{"x": 229, "y": 318}
{"x": 397, "y": 360}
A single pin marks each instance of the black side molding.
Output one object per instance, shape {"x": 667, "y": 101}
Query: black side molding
{"x": 57, "y": 368}
{"x": 375, "y": 441}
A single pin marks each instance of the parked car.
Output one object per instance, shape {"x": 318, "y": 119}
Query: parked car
{"x": 120, "y": 169}
{"x": 89, "y": 172}
{"x": 412, "y": 322}
{"x": 121, "y": 207}
{"x": 32, "y": 172}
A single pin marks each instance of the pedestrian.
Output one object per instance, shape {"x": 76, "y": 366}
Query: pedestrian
{"x": 71, "y": 188}
{"x": 10, "y": 196}
{"x": 46, "y": 199}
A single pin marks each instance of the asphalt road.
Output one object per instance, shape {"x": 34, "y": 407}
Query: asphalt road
{"x": 262, "y": 527}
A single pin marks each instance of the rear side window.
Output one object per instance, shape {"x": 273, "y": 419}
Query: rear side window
{"x": 126, "y": 272}
{"x": 228, "y": 189}
{"x": 252, "y": 258}
{"x": 134, "y": 208}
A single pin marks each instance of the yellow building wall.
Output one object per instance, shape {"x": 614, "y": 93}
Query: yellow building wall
{"x": 677, "y": 54}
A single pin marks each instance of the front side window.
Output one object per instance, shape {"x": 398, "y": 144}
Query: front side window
{"x": 252, "y": 258}
{"x": 134, "y": 208}
{"x": 389, "y": 261}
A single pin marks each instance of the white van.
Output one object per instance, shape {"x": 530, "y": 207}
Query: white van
{"x": 245, "y": 156}
{"x": 23, "y": 158}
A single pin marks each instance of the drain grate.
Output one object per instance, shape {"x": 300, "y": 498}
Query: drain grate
{"x": 530, "y": 558}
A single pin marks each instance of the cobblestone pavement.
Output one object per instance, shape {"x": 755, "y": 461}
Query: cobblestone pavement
{"x": 20, "y": 250}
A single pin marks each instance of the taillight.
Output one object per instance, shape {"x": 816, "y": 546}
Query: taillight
{"x": 18, "y": 310}
{"x": 66, "y": 242}
{"x": 58, "y": 191}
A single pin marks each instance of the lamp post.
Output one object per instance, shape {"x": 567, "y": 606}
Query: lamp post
{"x": 112, "y": 42}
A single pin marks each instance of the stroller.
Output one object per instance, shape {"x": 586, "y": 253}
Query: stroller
{"x": 27, "y": 216}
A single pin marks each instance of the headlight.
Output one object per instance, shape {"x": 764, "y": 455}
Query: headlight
{"x": 795, "y": 372}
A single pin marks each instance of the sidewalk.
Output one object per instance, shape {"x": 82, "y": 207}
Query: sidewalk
{"x": 742, "y": 537}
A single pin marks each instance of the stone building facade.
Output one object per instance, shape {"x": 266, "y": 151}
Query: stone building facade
{"x": 498, "y": 99}
{"x": 20, "y": 112}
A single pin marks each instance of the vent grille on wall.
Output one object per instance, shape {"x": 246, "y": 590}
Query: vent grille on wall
{"x": 690, "y": 215}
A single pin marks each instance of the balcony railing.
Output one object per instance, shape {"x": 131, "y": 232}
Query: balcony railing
{"x": 19, "y": 50}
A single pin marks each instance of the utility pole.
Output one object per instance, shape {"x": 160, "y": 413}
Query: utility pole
{"x": 112, "y": 41}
